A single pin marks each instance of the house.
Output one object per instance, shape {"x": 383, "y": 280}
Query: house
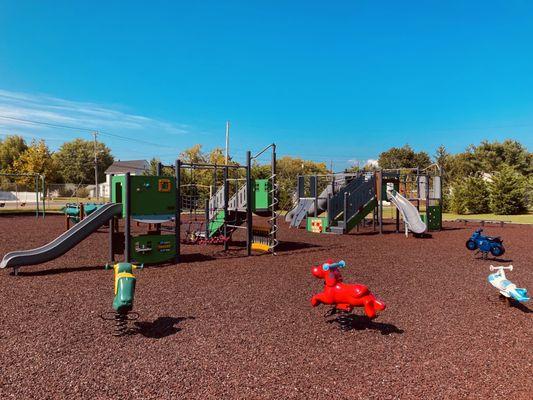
{"x": 119, "y": 167}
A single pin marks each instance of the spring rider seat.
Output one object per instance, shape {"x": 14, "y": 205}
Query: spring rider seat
{"x": 344, "y": 297}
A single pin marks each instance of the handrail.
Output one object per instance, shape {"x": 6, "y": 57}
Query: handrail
{"x": 350, "y": 201}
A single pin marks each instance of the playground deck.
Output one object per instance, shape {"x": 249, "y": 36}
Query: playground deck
{"x": 224, "y": 326}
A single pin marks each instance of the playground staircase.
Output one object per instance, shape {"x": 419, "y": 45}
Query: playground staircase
{"x": 353, "y": 203}
{"x": 236, "y": 210}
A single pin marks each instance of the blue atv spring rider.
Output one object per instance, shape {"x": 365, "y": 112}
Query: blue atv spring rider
{"x": 485, "y": 244}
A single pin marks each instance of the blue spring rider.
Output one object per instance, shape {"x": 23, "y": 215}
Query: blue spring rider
{"x": 485, "y": 244}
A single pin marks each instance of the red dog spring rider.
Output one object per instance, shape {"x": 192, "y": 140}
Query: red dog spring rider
{"x": 342, "y": 296}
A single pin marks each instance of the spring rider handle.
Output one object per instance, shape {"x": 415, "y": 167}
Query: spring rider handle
{"x": 501, "y": 268}
{"x": 133, "y": 266}
{"x": 328, "y": 266}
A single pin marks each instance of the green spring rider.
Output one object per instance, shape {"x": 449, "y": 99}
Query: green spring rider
{"x": 124, "y": 294}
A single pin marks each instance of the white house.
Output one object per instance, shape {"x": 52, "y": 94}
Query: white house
{"x": 134, "y": 167}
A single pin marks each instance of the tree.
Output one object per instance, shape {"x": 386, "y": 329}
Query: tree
{"x": 510, "y": 152}
{"x": 508, "y": 191}
{"x": 470, "y": 196}
{"x": 10, "y": 149}
{"x": 403, "y": 157}
{"x": 288, "y": 168}
{"x": 193, "y": 155}
{"x": 37, "y": 159}
{"x": 75, "y": 160}
{"x": 152, "y": 168}
{"x": 489, "y": 157}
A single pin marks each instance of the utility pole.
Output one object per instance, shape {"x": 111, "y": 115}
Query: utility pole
{"x": 226, "y": 156}
{"x": 95, "y": 133}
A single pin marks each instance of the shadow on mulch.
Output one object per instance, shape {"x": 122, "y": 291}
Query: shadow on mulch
{"x": 195, "y": 257}
{"x": 57, "y": 271}
{"x": 292, "y": 246}
{"x": 352, "y": 322}
{"x": 160, "y": 328}
{"x": 453, "y": 228}
{"x": 522, "y": 308}
{"x": 501, "y": 260}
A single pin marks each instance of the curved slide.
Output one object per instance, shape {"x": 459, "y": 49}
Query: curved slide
{"x": 409, "y": 212}
{"x": 65, "y": 241}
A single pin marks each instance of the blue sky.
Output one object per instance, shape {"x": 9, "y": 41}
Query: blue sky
{"x": 339, "y": 81}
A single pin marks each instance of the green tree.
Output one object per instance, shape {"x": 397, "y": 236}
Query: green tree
{"x": 37, "y": 159}
{"x": 152, "y": 168}
{"x": 508, "y": 191}
{"x": 403, "y": 157}
{"x": 489, "y": 157}
{"x": 494, "y": 155}
{"x": 10, "y": 149}
{"x": 470, "y": 196}
{"x": 458, "y": 196}
{"x": 288, "y": 168}
{"x": 75, "y": 161}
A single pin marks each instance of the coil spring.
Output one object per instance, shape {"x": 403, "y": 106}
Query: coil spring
{"x": 272, "y": 221}
{"x": 121, "y": 324}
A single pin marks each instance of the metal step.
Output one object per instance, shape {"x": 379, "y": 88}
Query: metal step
{"x": 336, "y": 230}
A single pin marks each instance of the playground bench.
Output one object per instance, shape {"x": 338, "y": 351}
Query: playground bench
{"x": 482, "y": 222}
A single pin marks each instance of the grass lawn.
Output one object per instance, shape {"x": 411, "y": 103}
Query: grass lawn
{"x": 518, "y": 219}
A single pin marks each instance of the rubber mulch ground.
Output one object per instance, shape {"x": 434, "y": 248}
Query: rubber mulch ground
{"x": 230, "y": 327}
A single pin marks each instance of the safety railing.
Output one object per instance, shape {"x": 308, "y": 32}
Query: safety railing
{"x": 351, "y": 199}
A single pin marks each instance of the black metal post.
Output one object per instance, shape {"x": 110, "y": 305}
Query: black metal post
{"x": 329, "y": 209}
{"x": 44, "y": 195}
{"x": 127, "y": 227}
{"x": 427, "y": 202}
{"x": 315, "y": 190}
{"x": 274, "y": 226}
{"x": 159, "y": 169}
{"x": 215, "y": 180}
{"x": 37, "y": 196}
{"x": 206, "y": 219}
{"x": 177, "y": 212}
{"x": 417, "y": 189}
{"x": 344, "y": 215}
{"x": 380, "y": 200}
{"x": 249, "y": 203}
{"x": 226, "y": 199}
{"x": 111, "y": 224}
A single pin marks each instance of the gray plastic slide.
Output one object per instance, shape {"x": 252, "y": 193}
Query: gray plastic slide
{"x": 306, "y": 207}
{"x": 410, "y": 214}
{"x": 65, "y": 241}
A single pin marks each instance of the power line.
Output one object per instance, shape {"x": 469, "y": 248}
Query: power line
{"x": 78, "y": 128}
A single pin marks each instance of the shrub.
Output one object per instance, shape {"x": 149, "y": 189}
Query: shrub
{"x": 470, "y": 196}
{"x": 82, "y": 192}
{"x": 508, "y": 192}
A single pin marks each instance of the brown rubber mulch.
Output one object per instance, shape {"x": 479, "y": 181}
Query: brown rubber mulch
{"x": 222, "y": 326}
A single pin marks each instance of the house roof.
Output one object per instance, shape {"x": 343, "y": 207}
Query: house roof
{"x": 131, "y": 166}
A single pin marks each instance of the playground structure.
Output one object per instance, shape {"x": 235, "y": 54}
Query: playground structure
{"x": 231, "y": 204}
{"x": 507, "y": 289}
{"x": 16, "y": 196}
{"x": 485, "y": 244}
{"x": 152, "y": 201}
{"x": 348, "y": 199}
{"x": 344, "y": 297}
